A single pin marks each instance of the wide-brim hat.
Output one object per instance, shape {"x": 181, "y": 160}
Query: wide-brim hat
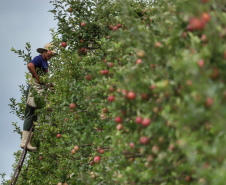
{"x": 47, "y": 47}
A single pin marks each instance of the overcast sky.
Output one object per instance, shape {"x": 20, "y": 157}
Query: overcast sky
{"x": 21, "y": 21}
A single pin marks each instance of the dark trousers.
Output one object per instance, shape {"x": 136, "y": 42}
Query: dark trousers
{"x": 29, "y": 116}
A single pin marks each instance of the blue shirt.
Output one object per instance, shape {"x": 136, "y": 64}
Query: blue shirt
{"x": 41, "y": 66}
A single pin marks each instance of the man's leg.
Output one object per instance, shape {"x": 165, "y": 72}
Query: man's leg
{"x": 29, "y": 118}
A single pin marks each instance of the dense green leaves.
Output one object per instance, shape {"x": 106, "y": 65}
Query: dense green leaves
{"x": 158, "y": 67}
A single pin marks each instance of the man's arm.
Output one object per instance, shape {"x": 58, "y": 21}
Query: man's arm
{"x": 31, "y": 68}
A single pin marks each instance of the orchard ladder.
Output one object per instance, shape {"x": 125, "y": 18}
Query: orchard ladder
{"x": 21, "y": 161}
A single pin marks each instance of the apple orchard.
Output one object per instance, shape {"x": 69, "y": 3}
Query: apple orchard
{"x": 139, "y": 95}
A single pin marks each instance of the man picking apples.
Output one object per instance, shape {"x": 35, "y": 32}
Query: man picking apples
{"x": 37, "y": 67}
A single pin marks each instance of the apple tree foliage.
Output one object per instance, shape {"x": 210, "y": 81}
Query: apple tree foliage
{"x": 149, "y": 91}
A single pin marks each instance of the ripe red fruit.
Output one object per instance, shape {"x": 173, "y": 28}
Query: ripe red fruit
{"x": 83, "y": 24}
{"x": 76, "y": 147}
{"x": 58, "y": 135}
{"x": 101, "y": 151}
{"x": 105, "y": 110}
{"x": 111, "y": 89}
{"x": 73, "y": 151}
{"x": 146, "y": 122}
{"x": 118, "y": 119}
{"x": 155, "y": 149}
{"x": 138, "y": 61}
{"x": 131, "y": 95}
{"x": 157, "y": 44}
{"x": 119, "y": 25}
{"x": 111, "y": 98}
{"x": 111, "y": 27}
{"x": 88, "y": 77}
{"x": 40, "y": 158}
{"x": 209, "y": 101}
{"x": 119, "y": 126}
{"x": 103, "y": 116}
{"x": 131, "y": 145}
{"x": 144, "y": 96}
{"x": 196, "y": 24}
{"x": 97, "y": 159}
{"x": 99, "y": 130}
{"x": 188, "y": 178}
{"x": 64, "y": 44}
{"x": 72, "y": 105}
{"x": 206, "y": 17}
{"x": 171, "y": 147}
{"x": 138, "y": 120}
{"x": 152, "y": 86}
{"x": 106, "y": 71}
{"x": 102, "y": 72}
{"x": 144, "y": 139}
{"x": 115, "y": 28}
{"x": 201, "y": 63}
{"x": 110, "y": 64}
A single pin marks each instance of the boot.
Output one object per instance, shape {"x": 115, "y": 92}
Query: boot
{"x": 24, "y": 139}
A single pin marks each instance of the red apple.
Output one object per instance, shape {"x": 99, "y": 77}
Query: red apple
{"x": 106, "y": 71}
{"x": 103, "y": 116}
{"x": 158, "y": 44}
{"x": 111, "y": 98}
{"x": 196, "y": 24}
{"x": 64, "y": 44}
{"x": 111, "y": 27}
{"x": 132, "y": 145}
{"x": 97, "y": 159}
{"x": 201, "y": 63}
{"x": 131, "y": 95}
{"x": 101, "y": 151}
{"x": 206, "y": 17}
{"x": 171, "y": 147}
{"x": 115, "y": 28}
{"x": 88, "y": 77}
{"x": 188, "y": 178}
{"x": 138, "y": 120}
{"x": 110, "y": 64}
{"x": 146, "y": 122}
{"x": 58, "y": 135}
{"x": 73, "y": 151}
{"x": 119, "y": 25}
{"x": 155, "y": 149}
{"x": 118, "y": 119}
{"x": 144, "y": 139}
{"x": 209, "y": 101}
{"x": 83, "y": 24}
{"x": 111, "y": 89}
{"x": 40, "y": 158}
{"x": 138, "y": 61}
{"x": 119, "y": 126}
{"x": 105, "y": 110}
{"x": 72, "y": 105}
{"x": 76, "y": 147}
{"x": 152, "y": 86}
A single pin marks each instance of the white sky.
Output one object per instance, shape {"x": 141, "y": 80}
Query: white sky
{"x": 21, "y": 21}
